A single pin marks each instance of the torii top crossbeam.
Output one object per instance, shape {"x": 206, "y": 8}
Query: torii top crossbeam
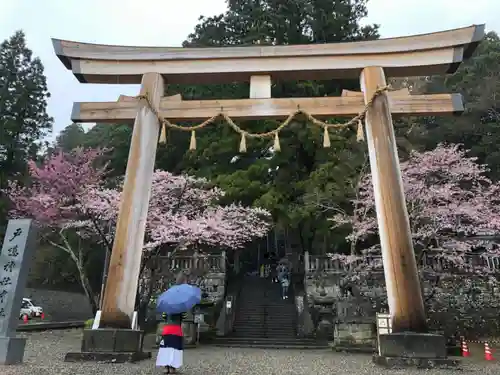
{"x": 418, "y": 55}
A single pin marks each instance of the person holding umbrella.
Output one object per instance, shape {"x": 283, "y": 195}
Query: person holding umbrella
{"x": 173, "y": 304}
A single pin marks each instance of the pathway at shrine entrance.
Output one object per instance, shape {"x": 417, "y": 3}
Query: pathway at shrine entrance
{"x": 45, "y": 353}
{"x": 371, "y": 111}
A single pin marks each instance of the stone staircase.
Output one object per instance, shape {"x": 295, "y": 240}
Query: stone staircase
{"x": 265, "y": 320}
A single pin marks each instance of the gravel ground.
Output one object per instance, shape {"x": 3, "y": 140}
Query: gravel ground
{"x": 45, "y": 353}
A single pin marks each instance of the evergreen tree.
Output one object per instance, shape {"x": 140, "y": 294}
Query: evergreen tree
{"x": 116, "y": 138}
{"x": 24, "y": 121}
{"x": 280, "y": 22}
{"x": 290, "y": 182}
{"x": 478, "y": 128}
{"x": 71, "y": 137}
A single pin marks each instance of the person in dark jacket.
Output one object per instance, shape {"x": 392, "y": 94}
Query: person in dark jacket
{"x": 273, "y": 263}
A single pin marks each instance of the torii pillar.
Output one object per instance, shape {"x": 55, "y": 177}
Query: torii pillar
{"x": 115, "y": 335}
{"x": 409, "y": 342}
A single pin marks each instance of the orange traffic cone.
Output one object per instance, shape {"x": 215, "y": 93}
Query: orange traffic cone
{"x": 487, "y": 352}
{"x": 25, "y": 319}
{"x": 465, "y": 348}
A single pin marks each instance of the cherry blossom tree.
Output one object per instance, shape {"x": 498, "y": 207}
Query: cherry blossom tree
{"x": 54, "y": 200}
{"x": 67, "y": 197}
{"x": 57, "y": 185}
{"x": 452, "y": 206}
{"x": 450, "y": 203}
{"x": 184, "y": 211}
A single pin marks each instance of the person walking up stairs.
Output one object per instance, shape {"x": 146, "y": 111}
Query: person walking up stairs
{"x": 264, "y": 319}
{"x": 285, "y": 283}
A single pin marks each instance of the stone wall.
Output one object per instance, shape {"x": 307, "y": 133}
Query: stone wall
{"x": 64, "y": 305}
{"x": 59, "y": 305}
{"x": 213, "y": 287}
{"x": 456, "y": 305}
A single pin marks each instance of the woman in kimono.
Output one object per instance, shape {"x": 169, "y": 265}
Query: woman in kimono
{"x": 170, "y": 354}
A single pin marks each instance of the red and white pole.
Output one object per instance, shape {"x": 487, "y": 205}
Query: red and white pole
{"x": 465, "y": 348}
{"x": 487, "y": 352}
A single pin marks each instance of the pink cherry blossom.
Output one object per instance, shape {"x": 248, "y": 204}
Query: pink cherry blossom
{"x": 67, "y": 193}
{"x": 183, "y": 210}
{"x": 449, "y": 200}
{"x": 57, "y": 186}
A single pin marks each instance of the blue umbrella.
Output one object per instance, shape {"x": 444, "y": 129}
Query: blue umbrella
{"x": 178, "y": 299}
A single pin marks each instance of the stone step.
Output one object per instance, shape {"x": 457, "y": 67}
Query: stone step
{"x": 262, "y": 315}
{"x": 263, "y": 302}
{"x": 243, "y": 338}
{"x": 264, "y": 319}
{"x": 277, "y": 327}
{"x": 255, "y": 336}
{"x": 259, "y": 322}
{"x": 265, "y": 311}
{"x": 270, "y": 343}
{"x": 250, "y": 329}
{"x": 265, "y": 325}
{"x": 280, "y": 321}
{"x": 277, "y": 317}
{"x": 291, "y": 339}
{"x": 354, "y": 349}
{"x": 256, "y": 306}
{"x": 244, "y": 320}
{"x": 262, "y": 327}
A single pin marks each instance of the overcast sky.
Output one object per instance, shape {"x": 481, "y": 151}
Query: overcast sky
{"x": 168, "y": 22}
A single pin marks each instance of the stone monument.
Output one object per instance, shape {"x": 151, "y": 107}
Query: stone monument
{"x": 15, "y": 258}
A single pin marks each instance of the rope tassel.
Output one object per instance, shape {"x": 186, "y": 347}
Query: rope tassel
{"x": 192, "y": 143}
{"x": 326, "y": 137}
{"x": 243, "y": 142}
{"x": 360, "y": 135}
{"x": 163, "y": 134}
{"x": 276, "y": 146}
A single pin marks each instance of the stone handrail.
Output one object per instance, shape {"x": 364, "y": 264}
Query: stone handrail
{"x": 211, "y": 263}
{"x": 432, "y": 262}
{"x": 304, "y": 323}
{"x": 227, "y": 315}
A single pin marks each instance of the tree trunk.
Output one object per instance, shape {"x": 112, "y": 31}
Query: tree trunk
{"x": 88, "y": 289}
{"x": 150, "y": 262}
{"x": 142, "y": 309}
{"x": 84, "y": 281}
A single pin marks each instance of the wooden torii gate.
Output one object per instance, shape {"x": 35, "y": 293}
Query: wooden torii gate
{"x": 368, "y": 61}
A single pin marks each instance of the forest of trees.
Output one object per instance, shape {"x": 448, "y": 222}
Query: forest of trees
{"x": 292, "y": 185}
